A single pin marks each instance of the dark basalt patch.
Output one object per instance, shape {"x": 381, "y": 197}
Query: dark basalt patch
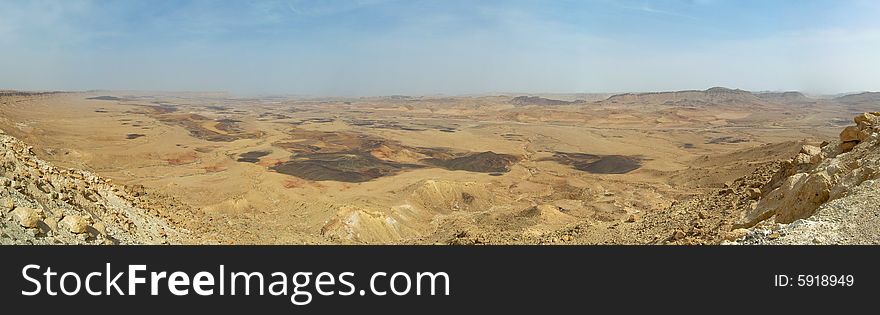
{"x": 193, "y": 124}
{"x": 229, "y": 126}
{"x": 196, "y": 130}
{"x": 270, "y": 115}
{"x": 382, "y": 124}
{"x": 355, "y": 157}
{"x": 134, "y": 136}
{"x": 726, "y": 139}
{"x": 352, "y": 167}
{"x": 319, "y": 120}
{"x": 106, "y": 98}
{"x": 514, "y": 137}
{"x": 252, "y": 156}
{"x": 483, "y": 162}
{"x": 535, "y": 100}
{"x": 361, "y": 122}
{"x": 598, "y": 164}
{"x": 25, "y": 93}
{"x": 310, "y": 141}
{"x": 161, "y": 109}
{"x": 612, "y": 164}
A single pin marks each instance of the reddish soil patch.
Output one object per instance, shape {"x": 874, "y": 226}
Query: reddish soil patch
{"x": 182, "y": 159}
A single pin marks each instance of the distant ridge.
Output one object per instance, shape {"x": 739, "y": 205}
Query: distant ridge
{"x": 535, "y": 100}
{"x": 784, "y": 95}
{"x": 715, "y": 95}
{"x": 711, "y": 91}
{"x": 864, "y": 97}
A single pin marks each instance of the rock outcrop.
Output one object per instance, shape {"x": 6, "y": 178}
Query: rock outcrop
{"x": 818, "y": 175}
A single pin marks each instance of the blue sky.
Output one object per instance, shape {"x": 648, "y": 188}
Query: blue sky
{"x": 381, "y": 47}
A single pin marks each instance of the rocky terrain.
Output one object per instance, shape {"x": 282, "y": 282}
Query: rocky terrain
{"x": 826, "y": 195}
{"x": 43, "y": 204}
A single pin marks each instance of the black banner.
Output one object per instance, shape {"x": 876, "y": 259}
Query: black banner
{"x": 490, "y": 279}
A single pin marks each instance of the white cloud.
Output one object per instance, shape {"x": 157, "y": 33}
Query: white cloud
{"x": 50, "y": 45}
{"x": 652, "y": 10}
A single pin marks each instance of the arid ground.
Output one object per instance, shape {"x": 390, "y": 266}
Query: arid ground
{"x": 500, "y": 169}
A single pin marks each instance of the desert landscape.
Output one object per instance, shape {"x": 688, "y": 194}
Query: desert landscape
{"x": 714, "y": 166}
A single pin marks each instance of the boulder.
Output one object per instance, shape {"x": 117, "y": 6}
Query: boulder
{"x": 848, "y": 145}
{"x": 735, "y": 234}
{"x": 808, "y": 156}
{"x": 850, "y": 133}
{"x": 867, "y": 119}
{"x": 754, "y": 193}
{"x": 7, "y": 204}
{"x": 772, "y": 201}
{"x": 864, "y": 135}
{"x": 27, "y": 217}
{"x": 677, "y": 235}
{"x": 100, "y": 228}
{"x": 52, "y": 224}
{"x": 74, "y": 223}
{"x": 633, "y": 218}
{"x": 136, "y": 190}
{"x": 810, "y": 150}
{"x": 813, "y": 193}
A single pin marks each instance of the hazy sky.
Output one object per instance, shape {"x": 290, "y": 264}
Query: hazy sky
{"x": 452, "y": 47}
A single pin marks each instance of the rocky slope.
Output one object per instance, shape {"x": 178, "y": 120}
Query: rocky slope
{"x": 826, "y": 194}
{"x": 823, "y": 195}
{"x": 817, "y": 175}
{"x": 44, "y": 204}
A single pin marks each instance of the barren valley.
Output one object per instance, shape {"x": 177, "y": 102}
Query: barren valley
{"x": 684, "y": 167}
